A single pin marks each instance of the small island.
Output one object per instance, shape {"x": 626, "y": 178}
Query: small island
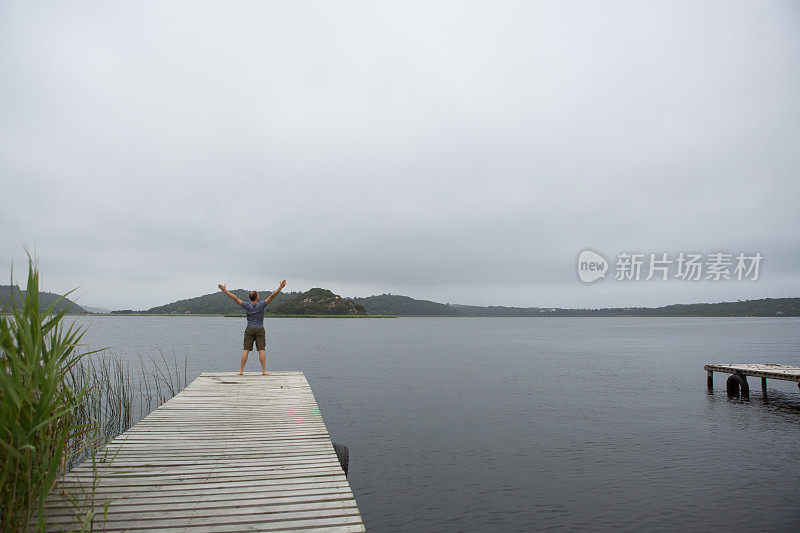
{"x": 313, "y": 303}
{"x": 318, "y": 301}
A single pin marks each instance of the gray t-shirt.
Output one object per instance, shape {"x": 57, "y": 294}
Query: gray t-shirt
{"x": 255, "y": 313}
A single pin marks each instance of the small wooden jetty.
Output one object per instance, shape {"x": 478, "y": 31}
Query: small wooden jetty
{"x": 738, "y": 379}
{"x": 228, "y": 453}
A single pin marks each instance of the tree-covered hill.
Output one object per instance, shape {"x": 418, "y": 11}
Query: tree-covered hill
{"x": 313, "y": 302}
{"x": 762, "y": 307}
{"x": 497, "y": 310}
{"x": 216, "y": 303}
{"x": 9, "y": 292}
{"x": 392, "y": 304}
{"x": 318, "y": 301}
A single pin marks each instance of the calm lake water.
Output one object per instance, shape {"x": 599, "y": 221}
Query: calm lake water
{"x": 519, "y": 424}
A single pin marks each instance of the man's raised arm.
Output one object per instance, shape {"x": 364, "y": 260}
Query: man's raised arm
{"x": 275, "y": 293}
{"x": 229, "y": 293}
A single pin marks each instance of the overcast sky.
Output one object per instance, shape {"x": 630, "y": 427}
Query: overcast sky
{"x": 463, "y": 152}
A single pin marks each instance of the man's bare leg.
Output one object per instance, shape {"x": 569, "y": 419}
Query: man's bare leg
{"x": 244, "y": 360}
{"x": 262, "y": 356}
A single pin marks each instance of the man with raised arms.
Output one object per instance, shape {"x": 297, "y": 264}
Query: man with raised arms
{"x": 254, "y": 332}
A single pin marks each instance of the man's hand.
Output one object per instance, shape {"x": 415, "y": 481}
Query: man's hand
{"x": 229, "y": 293}
{"x": 275, "y": 292}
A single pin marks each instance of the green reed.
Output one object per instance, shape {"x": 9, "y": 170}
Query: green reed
{"x": 37, "y": 354}
{"x": 59, "y": 406}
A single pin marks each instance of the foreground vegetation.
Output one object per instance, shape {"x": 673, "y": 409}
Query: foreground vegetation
{"x": 59, "y": 406}
{"x": 38, "y": 429}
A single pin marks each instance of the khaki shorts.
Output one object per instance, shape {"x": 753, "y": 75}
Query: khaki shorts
{"x": 255, "y": 334}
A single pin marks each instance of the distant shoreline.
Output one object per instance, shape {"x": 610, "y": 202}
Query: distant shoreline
{"x": 232, "y": 316}
{"x": 200, "y": 315}
{"x": 322, "y": 303}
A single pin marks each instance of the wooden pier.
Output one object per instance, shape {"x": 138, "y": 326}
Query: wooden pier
{"x": 228, "y": 453}
{"x": 738, "y": 379}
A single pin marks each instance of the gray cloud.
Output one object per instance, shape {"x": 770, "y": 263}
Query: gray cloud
{"x": 464, "y": 152}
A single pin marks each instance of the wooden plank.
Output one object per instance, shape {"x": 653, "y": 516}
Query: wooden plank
{"x": 217, "y": 486}
{"x": 124, "y": 468}
{"x": 762, "y": 370}
{"x": 248, "y": 523}
{"x": 228, "y": 453}
{"x": 243, "y": 522}
{"x": 276, "y": 510}
{"x": 216, "y": 499}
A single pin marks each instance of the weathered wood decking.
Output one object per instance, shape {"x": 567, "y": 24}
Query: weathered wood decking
{"x": 762, "y": 370}
{"x": 229, "y": 453}
{"x": 737, "y": 381}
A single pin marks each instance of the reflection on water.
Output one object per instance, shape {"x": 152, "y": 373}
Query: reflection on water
{"x": 461, "y": 424}
{"x": 776, "y": 402}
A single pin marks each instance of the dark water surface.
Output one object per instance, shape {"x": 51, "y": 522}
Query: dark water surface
{"x": 512, "y": 424}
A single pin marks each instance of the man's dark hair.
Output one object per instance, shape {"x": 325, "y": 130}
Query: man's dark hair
{"x": 253, "y": 296}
